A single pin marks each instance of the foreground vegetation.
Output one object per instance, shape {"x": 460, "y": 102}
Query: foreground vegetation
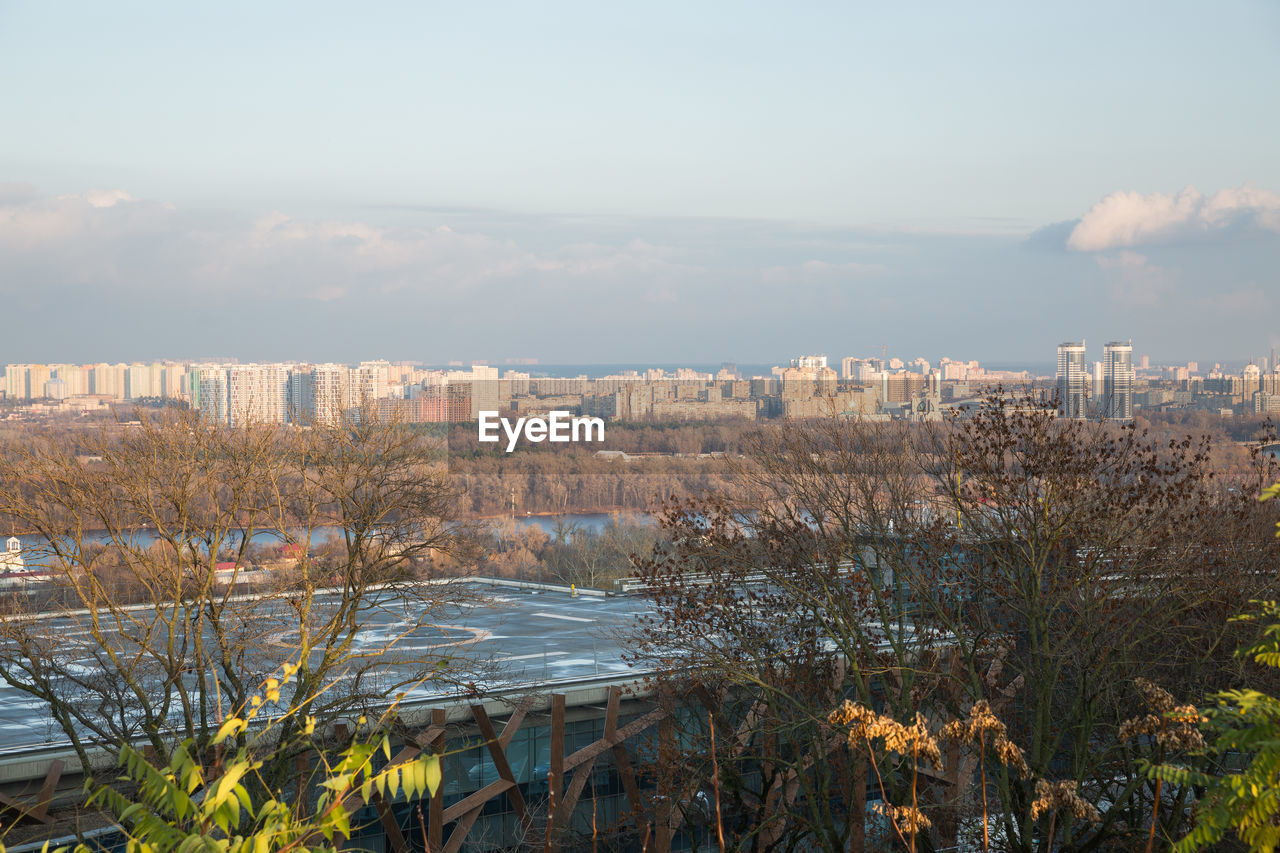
{"x": 1010, "y": 632}
{"x": 147, "y": 530}
{"x": 1067, "y": 578}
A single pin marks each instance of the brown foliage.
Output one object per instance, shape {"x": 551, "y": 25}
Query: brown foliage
{"x": 148, "y": 521}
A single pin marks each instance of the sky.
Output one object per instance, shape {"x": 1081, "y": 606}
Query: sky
{"x": 659, "y": 182}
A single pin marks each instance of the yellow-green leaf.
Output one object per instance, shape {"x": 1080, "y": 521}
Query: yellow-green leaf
{"x": 433, "y": 774}
{"x": 232, "y": 727}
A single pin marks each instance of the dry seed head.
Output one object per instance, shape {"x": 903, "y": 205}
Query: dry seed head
{"x": 1146, "y": 725}
{"x": 1010, "y": 756}
{"x": 1159, "y": 699}
{"x": 984, "y": 721}
{"x": 1188, "y": 715}
{"x": 913, "y": 740}
{"x": 981, "y": 722}
{"x": 1062, "y": 796}
{"x": 1175, "y": 728}
{"x": 864, "y": 724}
{"x": 956, "y": 731}
{"x": 908, "y": 819}
{"x": 1182, "y": 732}
{"x": 862, "y": 721}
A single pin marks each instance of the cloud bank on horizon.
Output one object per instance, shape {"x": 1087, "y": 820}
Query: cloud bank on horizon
{"x": 118, "y": 277}
{"x": 1129, "y": 219}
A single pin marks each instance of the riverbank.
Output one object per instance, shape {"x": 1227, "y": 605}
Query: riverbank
{"x": 549, "y": 522}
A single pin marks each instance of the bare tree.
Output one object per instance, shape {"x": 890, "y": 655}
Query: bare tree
{"x": 1033, "y": 563}
{"x": 145, "y": 528}
{"x": 782, "y": 599}
{"x": 1088, "y": 554}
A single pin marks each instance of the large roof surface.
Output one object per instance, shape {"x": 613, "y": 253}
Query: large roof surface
{"x": 533, "y": 638}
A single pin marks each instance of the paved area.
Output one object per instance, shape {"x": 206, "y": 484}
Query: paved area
{"x": 530, "y": 639}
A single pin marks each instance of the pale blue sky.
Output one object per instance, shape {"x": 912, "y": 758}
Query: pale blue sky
{"x": 924, "y": 142}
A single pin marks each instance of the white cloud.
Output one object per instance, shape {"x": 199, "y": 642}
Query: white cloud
{"x": 102, "y": 198}
{"x": 109, "y": 239}
{"x": 1128, "y": 219}
{"x": 66, "y": 222}
{"x": 815, "y": 270}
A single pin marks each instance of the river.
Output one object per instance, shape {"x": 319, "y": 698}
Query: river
{"x": 587, "y": 521}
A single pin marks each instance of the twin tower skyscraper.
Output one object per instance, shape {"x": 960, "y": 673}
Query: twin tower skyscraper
{"x": 1104, "y": 391}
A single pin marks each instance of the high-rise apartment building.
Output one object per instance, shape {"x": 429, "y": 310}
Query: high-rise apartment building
{"x": 482, "y": 387}
{"x": 809, "y": 362}
{"x": 1252, "y": 376}
{"x": 373, "y": 380}
{"x": 171, "y": 384}
{"x": 860, "y": 369}
{"x": 257, "y": 393}
{"x": 137, "y": 382}
{"x": 515, "y": 383}
{"x": 114, "y": 381}
{"x": 75, "y": 378}
{"x": 1073, "y": 380}
{"x": 330, "y": 392}
{"x": 209, "y": 391}
{"x": 1117, "y": 380}
{"x": 15, "y": 380}
{"x": 108, "y": 380}
{"x": 37, "y": 376}
{"x": 302, "y": 394}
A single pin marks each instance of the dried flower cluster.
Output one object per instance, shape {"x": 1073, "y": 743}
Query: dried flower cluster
{"x": 912, "y": 741}
{"x": 908, "y": 819}
{"x": 1062, "y": 796}
{"x": 862, "y": 721}
{"x": 1172, "y": 726}
{"x": 1157, "y": 698}
{"x": 864, "y": 725}
{"x": 984, "y": 728}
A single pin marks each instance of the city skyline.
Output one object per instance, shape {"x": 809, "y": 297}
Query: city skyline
{"x": 688, "y": 184}
{"x": 805, "y": 386}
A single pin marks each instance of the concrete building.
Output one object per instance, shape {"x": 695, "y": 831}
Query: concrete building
{"x": 74, "y": 377}
{"x": 484, "y": 390}
{"x": 514, "y": 384}
{"x": 1264, "y": 403}
{"x": 302, "y": 398}
{"x": 11, "y": 559}
{"x": 1073, "y": 380}
{"x": 257, "y": 394}
{"x": 171, "y": 384}
{"x": 330, "y": 392}
{"x": 1117, "y": 380}
{"x": 372, "y": 380}
{"x": 137, "y": 382}
{"x": 108, "y": 380}
{"x": 208, "y": 385}
{"x": 810, "y": 362}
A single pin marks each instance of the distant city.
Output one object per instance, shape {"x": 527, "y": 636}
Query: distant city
{"x": 223, "y": 391}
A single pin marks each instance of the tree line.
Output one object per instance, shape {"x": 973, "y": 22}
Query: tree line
{"x": 151, "y": 644}
{"x": 982, "y": 633}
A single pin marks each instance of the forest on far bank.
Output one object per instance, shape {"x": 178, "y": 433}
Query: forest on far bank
{"x": 694, "y": 460}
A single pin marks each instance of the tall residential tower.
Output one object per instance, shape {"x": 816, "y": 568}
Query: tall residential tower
{"x": 1117, "y": 381}
{"x": 1073, "y": 380}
